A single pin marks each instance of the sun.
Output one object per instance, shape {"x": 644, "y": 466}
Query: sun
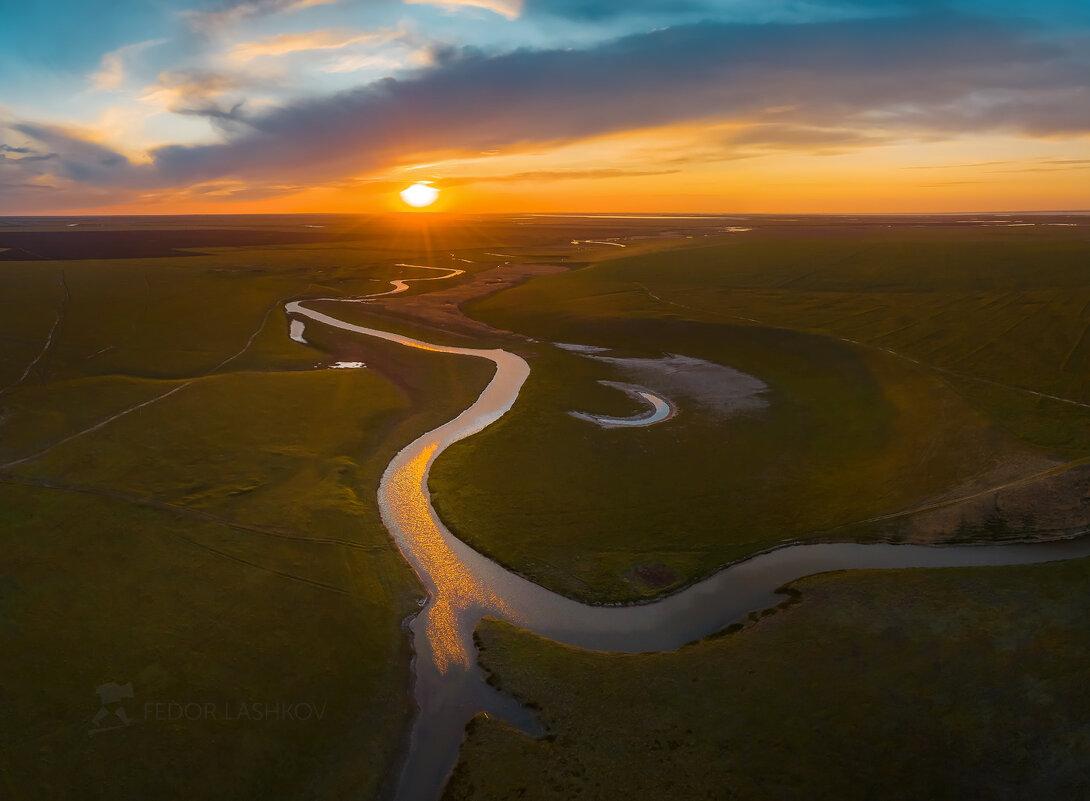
{"x": 420, "y": 194}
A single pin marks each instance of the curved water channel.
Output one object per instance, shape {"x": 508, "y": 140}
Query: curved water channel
{"x": 659, "y": 409}
{"x": 464, "y": 586}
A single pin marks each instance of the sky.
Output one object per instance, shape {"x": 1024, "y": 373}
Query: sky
{"x": 700, "y": 106}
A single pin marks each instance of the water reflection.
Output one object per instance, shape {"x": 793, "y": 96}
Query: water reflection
{"x": 407, "y": 510}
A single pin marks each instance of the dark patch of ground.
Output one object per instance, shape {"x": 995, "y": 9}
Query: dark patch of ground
{"x": 68, "y": 245}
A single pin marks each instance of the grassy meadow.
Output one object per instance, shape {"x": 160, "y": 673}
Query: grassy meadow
{"x": 903, "y": 367}
{"x": 187, "y": 503}
{"x": 188, "y": 498}
{"x": 218, "y": 543}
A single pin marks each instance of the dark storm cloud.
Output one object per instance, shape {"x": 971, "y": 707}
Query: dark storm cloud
{"x": 822, "y": 82}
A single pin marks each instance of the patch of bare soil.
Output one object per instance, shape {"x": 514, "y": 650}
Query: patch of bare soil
{"x": 1051, "y": 504}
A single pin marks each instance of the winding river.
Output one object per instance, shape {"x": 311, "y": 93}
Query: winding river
{"x": 463, "y": 586}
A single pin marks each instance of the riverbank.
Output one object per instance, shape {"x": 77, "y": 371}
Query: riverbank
{"x": 945, "y": 684}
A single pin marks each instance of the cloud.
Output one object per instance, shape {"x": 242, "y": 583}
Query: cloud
{"x": 874, "y": 74}
{"x": 798, "y": 86}
{"x": 811, "y": 138}
{"x": 553, "y": 175}
{"x": 233, "y": 13}
{"x": 603, "y": 9}
{"x": 736, "y": 10}
{"x": 201, "y": 93}
{"x": 1052, "y": 165}
{"x": 511, "y": 9}
{"x": 111, "y": 72}
{"x": 1043, "y": 165}
{"x": 220, "y": 190}
{"x": 338, "y": 50}
{"x": 76, "y": 158}
{"x": 956, "y": 166}
{"x": 32, "y": 187}
{"x": 328, "y": 39}
{"x": 951, "y": 183}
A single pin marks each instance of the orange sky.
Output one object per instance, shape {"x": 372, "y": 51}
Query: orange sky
{"x": 966, "y": 174}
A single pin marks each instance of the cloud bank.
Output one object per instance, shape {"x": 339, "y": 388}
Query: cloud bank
{"x": 829, "y": 84}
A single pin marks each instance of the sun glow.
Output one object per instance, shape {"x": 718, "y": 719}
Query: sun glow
{"x": 420, "y": 194}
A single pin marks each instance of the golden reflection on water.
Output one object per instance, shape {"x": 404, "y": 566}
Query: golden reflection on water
{"x": 456, "y": 589}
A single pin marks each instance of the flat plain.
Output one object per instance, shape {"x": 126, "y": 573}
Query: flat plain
{"x": 188, "y": 498}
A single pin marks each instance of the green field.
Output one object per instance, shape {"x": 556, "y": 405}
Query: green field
{"x": 938, "y": 684}
{"x": 188, "y": 503}
{"x": 218, "y": 546}
{"x": 901, "y": 365}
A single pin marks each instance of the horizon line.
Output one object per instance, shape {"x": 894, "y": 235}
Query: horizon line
{"x": 632, "y": 214}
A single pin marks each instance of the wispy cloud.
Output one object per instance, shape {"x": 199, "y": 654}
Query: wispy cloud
{"x": 111, "y": 71}
{"x": 826, "y": 140}
{"x": 32, "y": 187}
{"x": 208, "y": 93}
{"x": 233, "y": 13}
{"x": 1037, "y": 165}
{"x": 956, "y": 166}
{"x": 511, "y": 9}
{"x": 951, "y": 183}
{"x": 603, "y": 9}
{"x": 540, "y": 176}
{"x": 327, "y": 39}
{"x": 1052, "y": 165}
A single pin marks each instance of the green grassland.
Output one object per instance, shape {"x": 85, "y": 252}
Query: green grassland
{"x": 187, "y": 502}
{"x": 901, "y": 365}
{"x": 939, "y": 684}
{"x": 1011, "y": 307}
{"x": 220, "y": 544}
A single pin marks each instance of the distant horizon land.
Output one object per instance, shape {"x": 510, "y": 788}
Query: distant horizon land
{"x": 595, "y": 214}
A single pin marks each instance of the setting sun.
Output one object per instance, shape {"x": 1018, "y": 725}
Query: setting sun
{"x": 420, "y": 194}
